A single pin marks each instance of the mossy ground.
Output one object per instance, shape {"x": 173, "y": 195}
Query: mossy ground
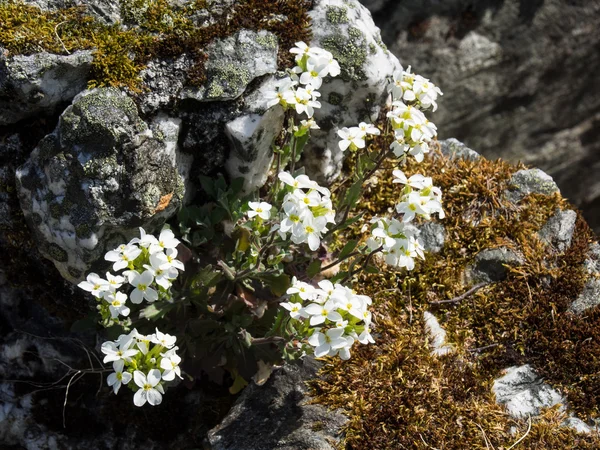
{"x": 398, "y": 396}
{"x": 155, "y": 29}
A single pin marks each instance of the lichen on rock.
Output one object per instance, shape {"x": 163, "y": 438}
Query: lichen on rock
{"x": 101, "y": 173}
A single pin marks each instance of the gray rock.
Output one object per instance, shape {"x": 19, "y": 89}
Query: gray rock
{"x": 592, "y": 261}
{"x": 454, "y": 149}
{"x": 431, "y": 234}
{"x": 530, "y": 181}
{"x": 163, "y": 81}
{"x": 106, "y": 11}
{"x": 490, "y": 265}
{"x": 558, "y": 230}
{"x": 589, "y": 297}
{"x": 233, "y": 62}
{"x": 523, "y": 393}
{"x": 496, "y": 62}
{"x": 37, "y": 84}
{"x": 99, "y": 176}
{"x": 580, "y": 426}
{"x": 276, "y": 416}
{"x": 346, "y": 29}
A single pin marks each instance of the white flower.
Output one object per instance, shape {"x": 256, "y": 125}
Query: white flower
{"x": 170, "y": 260}
{"x": 351, "y": 137}
{"x": 116, "y": 302}
{"x": 115, "y": 281}
{"x": 395, "y": 86}
{"x": 304, "y": 290}
{"x": 368, "y": 128}
{"x": 301, "y": 49}
{"x": 310, "y": 124}
{"x": 260, "y": 209}
{"x": 118, "y": 377}
{"x": 319, "y": 313}
{"x": 295, "y": 309}
{"x": 315, "y": 72}
{"x": 164, "y": 339}
{"x": 411, "y": 206}
{"x": 122, "y": 256}
{"x": 115, "y": 351}
{"x": 170, "y": 364}
{"x": 142, "y": 282}
{"x": 310, "y": 232}
{"x": 150, "y": 390}
{"x": 162, "y": 277}
{"x": 94, "y": 284}
{"x": 166, "y": 240}
{"x": 328, "y": 341}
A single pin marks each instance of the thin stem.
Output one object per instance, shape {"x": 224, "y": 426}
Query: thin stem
{"x": 294, "y": 141}
{"x": 461, "y": 297}
{"x": 351, "y": 273}
{"x": 267, "y": 340}
{"x": 335, "y": 263}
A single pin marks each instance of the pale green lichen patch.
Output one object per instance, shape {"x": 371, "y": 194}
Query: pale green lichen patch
{"x": 351, "y": 53}
{"x": 337, "y": 14}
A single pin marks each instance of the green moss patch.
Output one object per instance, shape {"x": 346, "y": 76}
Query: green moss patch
{"x": 156, "y": 29}
{"x": 398, "y": 396}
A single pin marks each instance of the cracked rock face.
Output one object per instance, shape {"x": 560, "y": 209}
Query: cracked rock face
{"x": 37, "y": 84}
{"x": 490, "y": 265}
{"x": 346, "y": 29}
{"x": 102, "y": 173}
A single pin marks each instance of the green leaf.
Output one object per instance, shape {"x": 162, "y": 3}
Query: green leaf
{"x": 156, "y": 311}
{"x": 207, "y": 277}
{"x": 300, "y": 143}
{"x": 235, "y": 188}
{"x": 227, "y": 270}
{"x": 353, "y": 193}
{"x": 314, "y": 268}
{"x": 277, "y": 283}
{"x": 208, "y": 186}
{"x": 350, "y": 222}
{"x": 340, "y": 276}
{"x": 371, "y": 269}
{"x": 348, "y": 248}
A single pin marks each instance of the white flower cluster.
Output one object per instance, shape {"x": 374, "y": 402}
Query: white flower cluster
{"x": 354, "y": 137}
{"x": 412, "y": 94}
{"x": 414, "y": 89}
{"x": 399, "y": 246}
{"x": 151, "y": 265}
{"x": 307, "y": 209}
{"x": 338, "y": 316}
{"x": 298, "y": 91}
{"x": 419, "y": 197}
{"x": 148, "y": 360}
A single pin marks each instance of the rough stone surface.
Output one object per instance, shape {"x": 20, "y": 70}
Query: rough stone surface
{"x": 233, "y": 62}
{"x": 276, "y": 416}
{"x": 346, "y": 29}
{"x": 99, "y": 176}
{"x": 530, "y": 181}
{"x": 507, "y": 68}
{"x": 558, "y": 230}
{"x": 588, "y": 299}
{"x": 37, "y": 84}
{"x": 437, "y": 335}
{"x": 107, "y": 11}
{"x": 580, "y": 426}
{"x": 431, "y": 234}
{"x": 490, "y": 265}
{"x": 455, "y": 149}
{"x": 524, "y": 393}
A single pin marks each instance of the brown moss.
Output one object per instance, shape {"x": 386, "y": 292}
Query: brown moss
{"x": 398, "y": 396}
{"x": 156, "y": 29}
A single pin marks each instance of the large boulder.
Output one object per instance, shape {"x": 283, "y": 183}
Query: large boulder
{"x": 519, "y": 80}
{"x": 100, "y": 174}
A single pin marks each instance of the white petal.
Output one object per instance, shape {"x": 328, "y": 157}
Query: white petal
{"x": 154, "y": 377}
{"x": 139, "y": 399}
{"x": 154, "y": 397}
{"x": 139, "y": 378}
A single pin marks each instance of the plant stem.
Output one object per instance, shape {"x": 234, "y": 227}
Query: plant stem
{"x": 461, "y": 297}
{"x": 335, "y": 263}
